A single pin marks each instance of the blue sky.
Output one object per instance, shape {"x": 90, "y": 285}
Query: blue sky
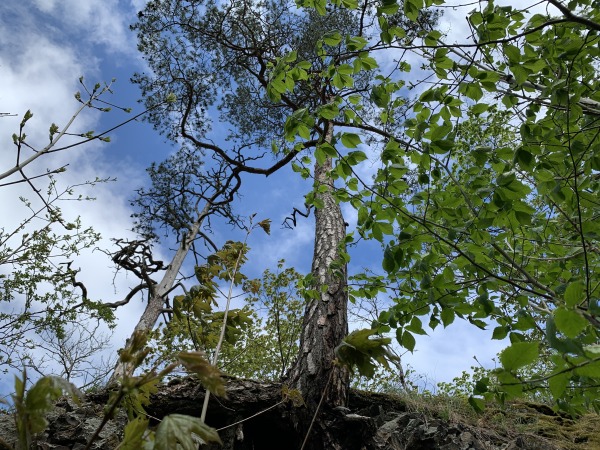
{"x": 46, "y": 46}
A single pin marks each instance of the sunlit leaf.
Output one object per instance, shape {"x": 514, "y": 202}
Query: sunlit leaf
{"x": 519, "y": 355}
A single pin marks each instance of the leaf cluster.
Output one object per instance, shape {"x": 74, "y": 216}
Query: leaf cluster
{"x": 485, "y": 203}
{"x": 175, "y": 430}
{"x": 359, "y": 350}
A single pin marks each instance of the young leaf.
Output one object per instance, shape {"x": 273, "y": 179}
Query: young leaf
{"x": 134, "y": 434}
{"x": 176, "y": 432}
{"x": 265, "y": 225}
{"x": 33, "y": 406}
{"x": 359, "y": 350}
{"x": 209, "y": 375}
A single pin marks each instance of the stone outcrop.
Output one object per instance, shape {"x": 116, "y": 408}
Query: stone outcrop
{"x": 255, "y": 416}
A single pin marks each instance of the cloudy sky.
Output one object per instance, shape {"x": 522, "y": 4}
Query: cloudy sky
{"x": 46, "y": 46}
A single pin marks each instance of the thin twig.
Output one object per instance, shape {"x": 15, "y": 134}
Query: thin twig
{"x": 253, "y": 416}
{"x": 223, "y": 328}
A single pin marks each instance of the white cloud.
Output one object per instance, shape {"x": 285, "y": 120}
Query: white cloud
{"x": 446, "y": 352}
{"x": 295, "y": 246}
{"x": 442, "y": 354}
{"x": 40, "y": 70}
{"x": 98, "y": 22}
{"x": 138, "y": 5}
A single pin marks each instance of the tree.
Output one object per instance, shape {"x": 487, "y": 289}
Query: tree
{"x": 233, "y": 339}
{"x": 38, "y": 286}
{"x": 472, "y": 224}
{"x": 268, "y": 347}
{"x": 253, "y": 39}
{"x": 74, "y": 355}
{"x": 279, "y": 78}
{"x": 46, "y": 300}
{"x": 489, "y": 229}
{"x": 182, "y": 196}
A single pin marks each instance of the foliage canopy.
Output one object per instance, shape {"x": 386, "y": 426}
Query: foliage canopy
{"x": 485, "y": 193}
{"x": 485, "y": 199}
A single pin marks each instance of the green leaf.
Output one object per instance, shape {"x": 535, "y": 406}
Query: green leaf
{"x": 521, "y": 73}
{"x": 320, "y": 6}
{"x": 433, "y": 37}
{"x": 592, "y": 370}
{"x": 408, "y": 341}
{"x": 438, "y": 133}
{"x": 479, "y": 108}
{"x": 389, "y": 262}
{"x": 471, "y": 90}
{"x": 176, "y": 431}
{"x": 328, "y": 112}
{"x": 512, "y": 53}
{"x": 412, "y": 8}
{"x": 575, "y": 293}
{"x": 355, "y": 43}
{"x": 441, "y": 60}
{"x": 447, "y": 315}
{"x": 360, "y": 350}
{"x": 500, "y": 333}
{"x": 519, "y": 354}
{"x": 481, "y": 386}
{"x": 478, "y": 404}
{"x": 134, "y": 434}
{"x": 388, "y": 7}
{"x": 351, "y": 140}
{"x": 380, "y": 96}
{"x": 523, "y": 218}
{"x": 355, "y": 157}
{"x": 442, "y": 146}
{"x": 569, "y": 322}
{"x": 365, "y": 63}
{"x": 341, "y": 80}
{"x": 558, "y": 384}
{"x": 416, "y": 326}
{"x": 209, "y": 375}
{"x": 279, "y": 86}
{"x": 332, "y": 39}
{"x": 524, "y": 158}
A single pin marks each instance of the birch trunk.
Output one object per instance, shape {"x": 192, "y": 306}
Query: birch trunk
{"x": 326, "y": 318}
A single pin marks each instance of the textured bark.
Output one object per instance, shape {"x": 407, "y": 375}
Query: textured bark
{"x": 326, "y": 317}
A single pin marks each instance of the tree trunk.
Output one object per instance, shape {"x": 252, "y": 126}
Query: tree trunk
{"x": 326, "y": 318}
{"x": 156, "y": 299}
